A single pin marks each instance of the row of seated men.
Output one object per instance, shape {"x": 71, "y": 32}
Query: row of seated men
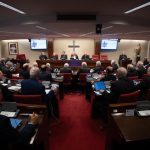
{"x": 64, "y": 56}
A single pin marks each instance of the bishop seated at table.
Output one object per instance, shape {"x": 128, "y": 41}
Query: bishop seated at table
{"x": 54, "y": 57}
{"x": 74, "y": 56}
{"x": 63, "y": 56}
{"x": 85, "y": 57}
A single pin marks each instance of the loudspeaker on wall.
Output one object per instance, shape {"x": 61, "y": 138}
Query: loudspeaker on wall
{"x": 98, "y": 28}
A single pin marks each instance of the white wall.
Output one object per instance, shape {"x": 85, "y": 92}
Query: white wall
{"x": 23, "y": 47}
{"x": 128, "y": 46}
{"x": 86, "y": 46}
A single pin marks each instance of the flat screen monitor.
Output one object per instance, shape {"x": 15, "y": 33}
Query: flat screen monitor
{"x": 109, "y": 44}
{"x": 38, "y": 44}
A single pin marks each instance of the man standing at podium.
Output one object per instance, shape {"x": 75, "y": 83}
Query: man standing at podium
{"x": 42, "y": 56}
{"x": 122, "y": 57}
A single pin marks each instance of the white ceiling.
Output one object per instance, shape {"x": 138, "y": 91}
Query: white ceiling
{"x": 41, "y": 19}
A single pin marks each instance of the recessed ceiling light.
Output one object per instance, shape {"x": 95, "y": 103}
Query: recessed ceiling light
{"x": 137, "y": 8}
{"x": 119, "y": 22}
{"x": 39, "y": 27}
{"x": 12, "y": 8}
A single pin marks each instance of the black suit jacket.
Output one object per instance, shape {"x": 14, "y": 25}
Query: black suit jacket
{"x": 65, "y": 70}
{"x": 121, "y": 86}
{"x": 42, "y": 57}
{"x": 85, "y": 57}
{"x": 84, "y": 70}
{"x": 63, "y": 57}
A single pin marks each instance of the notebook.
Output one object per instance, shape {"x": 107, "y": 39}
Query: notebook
{"x": 15, "y": 122}
{"x": 99, "y": 86}
{"x": 9, "y": 109}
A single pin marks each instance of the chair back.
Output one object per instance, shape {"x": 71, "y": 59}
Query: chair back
{"x": 28, "y": 99}
{"x": 129, "y": 97}
{"x": 82, "y": 77}
{"x": 133, "y": 78}
{"x": 67, "y": 78}
{"x": 103, "y": 57}
{"x": 95, "y": 57}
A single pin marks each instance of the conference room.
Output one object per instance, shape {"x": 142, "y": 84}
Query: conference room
{"x": 72, "y": 46}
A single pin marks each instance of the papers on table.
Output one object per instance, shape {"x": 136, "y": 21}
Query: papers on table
{"x": 4, "y": 84}
{"x": 47, "y": 91}
{"x": 144, "y": 113}
{"x": 8, "y": 114}
{"x": 14, "y": 88}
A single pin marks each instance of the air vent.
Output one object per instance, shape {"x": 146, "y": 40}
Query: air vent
{"x": 63, "y": 17}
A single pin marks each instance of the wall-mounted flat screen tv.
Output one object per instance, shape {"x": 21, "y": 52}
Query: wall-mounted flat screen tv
{"x": 109, "y": 44}
{"x": 38, "y": 44}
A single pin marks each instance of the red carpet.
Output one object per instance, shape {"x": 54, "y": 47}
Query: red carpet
{"x": 76, "y": 131}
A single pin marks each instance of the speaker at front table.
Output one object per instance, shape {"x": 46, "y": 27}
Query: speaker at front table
{"x": 98, "y": 28}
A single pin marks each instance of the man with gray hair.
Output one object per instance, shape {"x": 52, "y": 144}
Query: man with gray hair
{"x": 122, "y": 85}
{"x": 33, "y": 87}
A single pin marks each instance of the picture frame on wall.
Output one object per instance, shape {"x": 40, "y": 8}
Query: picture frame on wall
{"x": 13, "y": 48}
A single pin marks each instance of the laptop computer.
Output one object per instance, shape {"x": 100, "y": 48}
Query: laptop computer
{"x": 15, "y": 122}
{"x": 99, "y": 86}
{"x": 9, "y": 109}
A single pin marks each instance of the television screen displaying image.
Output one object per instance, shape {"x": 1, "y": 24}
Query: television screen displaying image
{"x": 109, "y": 44}
{"x": 38, "y": 44}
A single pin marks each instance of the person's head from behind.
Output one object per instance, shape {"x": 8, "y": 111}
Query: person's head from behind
{"x": 84, "y": 64}
{"x": 121, "y": 72}
{"x": 66, "y": 65}
{"x": 26, "y": 66}
{"x": 109, "y": 70}
{"x": 35, "y": 64}
{"x": 98, "y": 64}
{"x": 34, "y": 73}
{"x": 48, "y": 65}
{"x": 139, "y": 64}
{"x": 130, "y": 67}
{"x": 113, "y": 62}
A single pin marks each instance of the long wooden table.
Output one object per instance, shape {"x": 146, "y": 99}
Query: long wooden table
{"x": 73, "y": 63}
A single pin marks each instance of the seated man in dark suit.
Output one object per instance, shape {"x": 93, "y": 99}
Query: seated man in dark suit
{"x": 122, "y": 57}
{"x": 32, "y": 87}
{"x": 44, "y": 75}
{"x": 122, "y": 85}
{"x": 84, "y": 68}
{"x": 131, "y": 71}
{"x": 98, "y": 67}
{"x": 109, "y": 75}
{"x": 24, "y": 72}
{"x": 63, "y": 56}
{"x": 140, "y": 69}
{"x": 65, "y": 69}
{"x": 74, "y": 56}
{"x": 85, "y": 57}
{"x": 54, "y": 57}
{"x": 42, "y": 56}
{"x": 12, "y": 138}
{"x": 145, "y": 85}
